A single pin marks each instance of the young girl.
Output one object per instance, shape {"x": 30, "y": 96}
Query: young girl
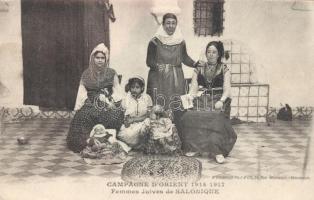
{"x": 163, "y": 137}
{"x": 137, "y": 106}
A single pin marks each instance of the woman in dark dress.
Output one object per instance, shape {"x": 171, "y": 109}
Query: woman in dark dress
{"x": 212, "y": 132}
{"x": 165, "y": 55}
{"x": 98, "y": 100}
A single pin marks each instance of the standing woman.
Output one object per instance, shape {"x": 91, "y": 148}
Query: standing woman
{"x": 165, "y": 55}
{"x": 98, "y": 100}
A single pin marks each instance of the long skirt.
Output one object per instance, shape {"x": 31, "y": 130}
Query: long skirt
{"x": 204, "y": 131}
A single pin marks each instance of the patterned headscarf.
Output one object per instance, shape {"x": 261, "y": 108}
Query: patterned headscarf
{"x": 94, "y": 76}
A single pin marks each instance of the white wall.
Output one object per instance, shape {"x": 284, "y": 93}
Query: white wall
{"x": 11, "y": 74}
{"x": 279, "y": 37}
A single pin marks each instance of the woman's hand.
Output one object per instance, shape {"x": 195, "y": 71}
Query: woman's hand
{"x": 102, "y": 97}
{"x": 201, "y": 63}
{"x": 218, "y": 105}
{"x": 112, "y": 140}
{"x": 111, "y": 105}
{"x": 128, "y": 121}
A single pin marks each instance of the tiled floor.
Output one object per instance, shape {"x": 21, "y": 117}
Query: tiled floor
{"x": 278, "y": 149}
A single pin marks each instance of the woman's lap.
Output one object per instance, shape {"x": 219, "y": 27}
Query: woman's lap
{"x": 84, "y": 121}
{"x": 207, "y": 132}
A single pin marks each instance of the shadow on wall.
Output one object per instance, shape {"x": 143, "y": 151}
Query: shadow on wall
{"x": 3, "y": 90}
{"x": 11, "y": 76}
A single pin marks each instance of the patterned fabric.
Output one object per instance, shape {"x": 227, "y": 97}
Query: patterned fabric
{"x": 107, "y": 154}
{"x": 170, "y": 145}
{"x": 162, "y": 168}
{"x": 212, "y": 81}
{"x": 97, "y": 81}
{"x": 86, "y": 118}
{"x": 212, "y": 77}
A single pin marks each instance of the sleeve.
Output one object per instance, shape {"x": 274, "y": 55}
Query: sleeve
{"x": 149, "y": 101}
{"x": 81, "y": 97}
{"x": 118, "y": 92}
{"x": 125, "y": 105}
{"x": 187, "y": 60}
{"x": 151, "y": 55}
{"x": 227, "y": 84}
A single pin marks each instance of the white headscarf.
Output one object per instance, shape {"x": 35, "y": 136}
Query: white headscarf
{"x": 101, "y": 48}
{"x": 93, "y": 75}
{"x": 175, "y": 38}
{"x": 103, "y": 132}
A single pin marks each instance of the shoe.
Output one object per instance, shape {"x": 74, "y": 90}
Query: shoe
{"x": 191, "y": 154}
{"x": 220, "y": 159}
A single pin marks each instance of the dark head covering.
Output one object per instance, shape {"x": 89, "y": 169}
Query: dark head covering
{"x": 220, "y": 48}
{"x": 133, "y": 79}
{"x": 169, "y": 15}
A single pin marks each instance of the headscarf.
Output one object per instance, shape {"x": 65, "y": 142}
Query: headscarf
{"x": 175, "y": 38}
{"x": 139, "y": 78}
{"x": 127, "y": 86}
{"x": 103, "y": 132}
{"x": 94, "y": 76}
{"x": 99, "y": 134}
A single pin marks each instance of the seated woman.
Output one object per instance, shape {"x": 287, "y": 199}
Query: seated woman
{"x": 212, "y": 131}
{"x": 98, "y": 100}
{"x": 137, "y": 105}
{"x": 214, "y": 80}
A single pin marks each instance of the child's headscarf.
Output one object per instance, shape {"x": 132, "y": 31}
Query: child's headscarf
{"x": 128, "y": 85}
{"x": 93, "y": 132}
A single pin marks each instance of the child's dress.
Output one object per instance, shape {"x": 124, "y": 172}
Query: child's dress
{"x": 162, "y": 138}
{"x": 104, "y": 148}
{"x": 134, "y": 134}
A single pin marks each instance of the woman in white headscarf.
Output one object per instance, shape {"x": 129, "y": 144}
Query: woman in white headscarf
{"x": 165, "y": 55}
{"x": 98, "y": 100}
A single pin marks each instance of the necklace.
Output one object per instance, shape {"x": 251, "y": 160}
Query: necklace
{"x": 212, "y": 72}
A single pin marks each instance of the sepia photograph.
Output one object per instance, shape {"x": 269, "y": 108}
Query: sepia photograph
{"x": 158, "y": 99}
